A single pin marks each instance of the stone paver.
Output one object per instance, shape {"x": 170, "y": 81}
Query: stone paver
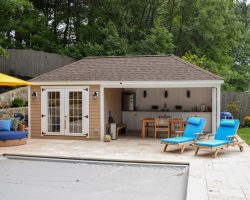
{"x": 226, "y": 177}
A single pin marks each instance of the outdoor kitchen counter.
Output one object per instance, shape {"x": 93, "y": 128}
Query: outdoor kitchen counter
{"x": 133, "y": 118}
{"x": 161, "y": 111}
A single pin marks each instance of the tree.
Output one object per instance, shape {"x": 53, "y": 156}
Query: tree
{"x": 11, "y": 12}
{"x": 212, "y": 34}
{"x": 158, "y": 41}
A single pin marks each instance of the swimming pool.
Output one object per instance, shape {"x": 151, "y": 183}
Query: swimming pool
{"x": 37, "y": 178}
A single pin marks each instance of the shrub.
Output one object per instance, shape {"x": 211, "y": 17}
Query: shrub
{"x": 233, "y": 107}
{"x": 18, "y": 102}
{"x": 247, "y": 121}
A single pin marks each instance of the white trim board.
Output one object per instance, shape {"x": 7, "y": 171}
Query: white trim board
{"x": 136, "y": 84}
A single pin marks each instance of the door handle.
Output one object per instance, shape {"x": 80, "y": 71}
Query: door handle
{"x": 86, "y": 116}
{"x": 43, "y": 115}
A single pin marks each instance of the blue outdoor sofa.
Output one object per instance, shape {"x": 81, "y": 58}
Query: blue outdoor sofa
{"x": 9, "y": 137}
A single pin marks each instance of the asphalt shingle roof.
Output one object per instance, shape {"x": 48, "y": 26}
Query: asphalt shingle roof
{"x": 128, "y": 68}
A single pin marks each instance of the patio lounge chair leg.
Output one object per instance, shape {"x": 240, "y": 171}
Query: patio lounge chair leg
{"x": 196, "y": 151}
{"x": 165, "y": 148}
{"x": 216, "y": 152}
{"x": 240, "y": 147}
{"x": 182, "y": 149}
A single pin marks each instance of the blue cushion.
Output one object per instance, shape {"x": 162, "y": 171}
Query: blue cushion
{"x": 224, "y": 131}
{"x": 227, "y": 123}
{"x": 177, "y": 140}
{"x": 194, "y": 120}
{"x": 12, "y": 135}
{"x": 191, "y": 129}
{"x": 211, "y": 143}
{"x": 5, "y": 125}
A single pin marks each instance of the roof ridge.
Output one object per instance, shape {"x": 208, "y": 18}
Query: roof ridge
{"x": 196, "y": 67}
{"x": 128, "y": 56}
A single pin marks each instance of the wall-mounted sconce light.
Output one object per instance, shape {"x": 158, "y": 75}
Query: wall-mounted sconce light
{"x": 34, "y": 95}
{"x": 188, "y": 94}
{"x": 144, "y": 93}
{"x": 95, "y": 95}
{"x": 166, "y": 94}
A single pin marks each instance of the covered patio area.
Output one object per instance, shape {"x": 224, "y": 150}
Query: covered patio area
{"x": 137, "y": 106}
{"x": 227, "y": 177}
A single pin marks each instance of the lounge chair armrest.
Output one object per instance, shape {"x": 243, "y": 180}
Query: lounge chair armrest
{"x": 200, "y": 133}
{"x": 231, "y": 138}
{"x": 210, "y": 135}
{"x": 197, "y": 135}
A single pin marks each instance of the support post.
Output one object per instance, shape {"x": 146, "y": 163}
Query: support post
{"x": 218, "y": 105}
{"x": 102, "y": 112}
{"x": 214, "y": 110}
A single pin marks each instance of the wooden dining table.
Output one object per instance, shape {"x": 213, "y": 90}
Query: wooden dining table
{"x": 146, "y": 121}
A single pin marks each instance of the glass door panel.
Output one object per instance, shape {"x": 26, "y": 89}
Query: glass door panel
{"x": 52, "y": 111}
{"x": 75, "y": 112}
{"x": 54, "y": 119}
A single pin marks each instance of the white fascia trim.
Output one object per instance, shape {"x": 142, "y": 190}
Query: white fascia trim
{"x": 137, "y": 84}
{"x": 64, "y": 86}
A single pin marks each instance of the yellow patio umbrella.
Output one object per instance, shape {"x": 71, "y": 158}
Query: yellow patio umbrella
{"x": 6, "y": 80}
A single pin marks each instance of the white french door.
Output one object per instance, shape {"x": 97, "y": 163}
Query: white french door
{"x": 76, "y": 112}
{"x": 65, "y": 111}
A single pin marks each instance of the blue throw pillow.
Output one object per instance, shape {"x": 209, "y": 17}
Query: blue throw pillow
{"x": 194, "y": 120}
{"x": 227, "y": 123}
{"x": 5, "y": 125}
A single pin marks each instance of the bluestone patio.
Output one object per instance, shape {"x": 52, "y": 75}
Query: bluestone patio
{"x": 226, "y": 177}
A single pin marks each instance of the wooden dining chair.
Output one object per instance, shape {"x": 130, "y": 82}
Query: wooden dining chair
{"x": 177, "y": 126}
{"x": 148, "y": 126}
{"x": 162, "y": 125}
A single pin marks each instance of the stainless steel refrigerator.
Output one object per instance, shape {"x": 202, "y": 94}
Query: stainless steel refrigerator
{"x": 128, "y": 101}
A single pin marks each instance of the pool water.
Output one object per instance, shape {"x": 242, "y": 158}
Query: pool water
{"x": 37, "y": 178}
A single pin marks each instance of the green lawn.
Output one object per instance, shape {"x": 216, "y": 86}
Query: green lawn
{"x": 244, "y": 133}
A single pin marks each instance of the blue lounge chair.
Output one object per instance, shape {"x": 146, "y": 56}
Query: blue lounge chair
{"x": 224, "y": 137}
{"x": 193, "y": 132}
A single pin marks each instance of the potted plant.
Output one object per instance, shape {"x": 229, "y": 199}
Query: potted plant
{"x": 107, "y": 138}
